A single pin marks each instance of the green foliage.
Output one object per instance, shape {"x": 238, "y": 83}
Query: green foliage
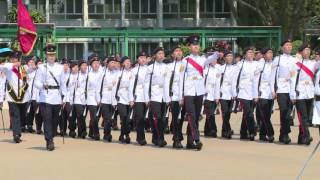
{"x": 295, "y": 46}
{"x": 37, "y": 17}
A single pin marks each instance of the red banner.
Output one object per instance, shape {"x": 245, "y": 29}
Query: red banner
{"x": 27, "y": 33}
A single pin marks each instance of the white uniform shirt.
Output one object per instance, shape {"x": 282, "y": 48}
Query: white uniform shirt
{"x": 228, "y": 85}
{"x": 177, "y": 68}
{"x": 265, "y": 89}
{"x": 93, "y": 87}
{"x": 109, "y": 86}
{"x": 139, "y": 93}
{"x": 123, "y": 92}
{"x": 286, "y": 65}
{"x": 193, "y": 81}
{"x": 317, "y": 84}
{"x": 33, "y": 91}
{"x": 305, "y": 85}
{"x": 211, "y": 73}
{"x": 12, "y": 79}
{"x": 50, "y": 96}
{"x": 248, "y": 77}
{"x": 2, "y": 86}
{"x": 159, "y": 84}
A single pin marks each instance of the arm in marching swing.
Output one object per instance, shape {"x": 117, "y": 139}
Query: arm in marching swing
{"x": 147, "y": 84}
{"x": 40, "y": 78}
{"x": 255, "y": 87}
{"x": 294, "y": 81}
{"x": 211, "y": 58}
{"x": 217, "y": 88}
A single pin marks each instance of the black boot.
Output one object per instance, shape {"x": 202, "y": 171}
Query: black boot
{"x": 122, "y": 139}
{"x": 107, "y": 137}
{"x": 30, "y": 129}
{"x": 142, "y": 142}
{"x": 270, "y": 139}
{"x": 72, "y": 134}
{"x": 16, "y": 139}
{"x": 127, "y": 139}
{"x": 177, "y": 145}
{"x": 285, "y": 139}
{"x": 50, "y": 145}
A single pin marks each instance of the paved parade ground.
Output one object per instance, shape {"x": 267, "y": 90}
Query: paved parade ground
{"x": 219, "y": 158}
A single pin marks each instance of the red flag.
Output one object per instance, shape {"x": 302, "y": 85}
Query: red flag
{"x": 27, "y": 33}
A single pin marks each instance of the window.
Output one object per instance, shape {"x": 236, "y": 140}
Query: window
{"x": 104, "y": 9}
{"x": 214, "y": 9}
{"x": 137, "y": 9}
{"x": 70, "y": 50}
{"x": 65, "y": 9}
{"x": 170, "y": 9}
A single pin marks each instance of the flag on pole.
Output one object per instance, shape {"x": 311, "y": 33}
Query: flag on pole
{"x": 27, "y": 33}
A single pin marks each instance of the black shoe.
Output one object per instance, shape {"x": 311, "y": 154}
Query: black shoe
{"x": 50, "y": 145}
{"x": 231, "y": 132}
{"x": 96, "y": 137}
{"x": 199, "y": 145}
{"x": 155, "y": 142}
{"x": 285, "y": 139}
{"x": 127, "y": 139}
{"x": 107, "y": 137}
{"x": 83, "y": 135}
{"x": 23, "y": 129}
{"x": 30, "y": 130}
{"x": 162, "y": 143}
{"x": 16, "y": 139}
{"x": 305, "y": 140}
{"x": 142, "y": 142}
{"x": 39, "y": 131}
{"x": 177, "y": 145}
{"x": 244, "y": 137}
{"x": 270, "y": 139}
{"x": 167, "y": 130}
{"x": 122, "y": 139}
{"x": 72, "y": 134}
{"x": 263, "y": 138}
{"x": 226, "y": 135}
{"x": 191, "y": 146}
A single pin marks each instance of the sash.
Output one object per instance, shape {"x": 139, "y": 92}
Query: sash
{"x": 195, "y": 65}
{"x": 306, "y": 70}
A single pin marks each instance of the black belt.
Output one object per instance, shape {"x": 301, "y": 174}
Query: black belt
{"x": 53, "y": 87}
{"x": 317, "y": 98}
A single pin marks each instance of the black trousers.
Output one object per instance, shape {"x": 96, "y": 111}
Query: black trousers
{"x": 247, "y": 124}
{"x": 158, "y": 111}
{"x": 94, "y": 120}
{"x": 69, "y": 115}
{"x": 107, "y": 111}
{"x": 305, "y": 110}
{"x": 17, "y": 112}
{"x": 285, "y": 106}
{"x": 65, "y": 118}
{"x": 264, "y": 107}
{"x": 34, "y": 114}
{"x": 210, "y": 124}
{"x": 124, "y": 112}
{"x": 139, "y": 111}
{"x": 177, "y": 122}
{"x": 50, "y": 114}
{"x": 78, "y": 109}
{"x": 226, "y": 110}
{"x": 193, "y": 106}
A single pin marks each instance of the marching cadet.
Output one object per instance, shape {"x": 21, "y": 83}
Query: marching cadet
{"x": 66, "y": 109}
{"x": 302, "y": 91}
{"x": 77, "y": 98}
{"x": 192, "y": 88}
{"x": 211, "y": 97}
{"x": 265, "y": 101}
{"x": 177, "y": 111}
{"x": 91, "y": 88}
{"x": 49, "y": 81}
{"x": 71, "y": 86}
{"x": 227, "y": 81}
{"x": 122, "y": 97}
{"x": 157, "y": 95}
{"x": 106, "y": 93}
{"x": 246, "y": 92}
{"x": 281, "y": 68}
{"x": 16, "y": 93}
{"x": 33, "y": 93}
{"x": 136, "y": 96}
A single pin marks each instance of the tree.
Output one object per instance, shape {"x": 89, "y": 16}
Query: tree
{"x": 292, "y": 15}
{"x": 37, "y": 17}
